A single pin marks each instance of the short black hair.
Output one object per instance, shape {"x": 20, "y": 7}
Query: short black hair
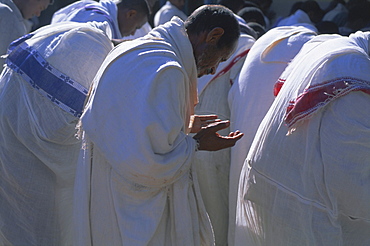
{"x": 208, "y": 17}
{"x": 233, "y": 5}
{"x": 140, "y": 6}
{"x": 252, "y": 14}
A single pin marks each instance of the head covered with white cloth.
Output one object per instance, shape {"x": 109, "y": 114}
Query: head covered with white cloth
{"x": 136, "y": 181}
{"x": 123, "y": 16}
{"x": 305, "y": 180}
{"x": 43, "y": 90}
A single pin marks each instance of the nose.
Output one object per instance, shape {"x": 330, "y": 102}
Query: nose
{"x": 211, "y": 70}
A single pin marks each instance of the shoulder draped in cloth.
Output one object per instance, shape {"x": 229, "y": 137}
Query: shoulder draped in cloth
{"x": 137, "y": 186}
{"x": 310, "y": 187}
{"x": 38, "y": 144}
{"x": 89, "y": 10}
{"x": 252, "y": 93}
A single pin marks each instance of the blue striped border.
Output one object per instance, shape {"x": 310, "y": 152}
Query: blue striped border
{"x": 50, "y": 82}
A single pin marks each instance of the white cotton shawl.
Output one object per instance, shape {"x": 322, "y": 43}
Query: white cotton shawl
{"x": 166, "y": 12}
{"x": 298, "y": 18}
{"x": 214, "y": 166}
{"x": 312, "y": 187}
{"x": 12, "y": 26}
{"x": 135, "y": 185}
{"x": 107, "y": 11}
{"x": 38, "y": 144}
{"x": 252, "y": 93}
{"x": 338, "y": 81}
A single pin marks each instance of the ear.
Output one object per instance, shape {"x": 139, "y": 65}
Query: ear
{"x": 131, "y": 13}
{"x": 214, "y": 35}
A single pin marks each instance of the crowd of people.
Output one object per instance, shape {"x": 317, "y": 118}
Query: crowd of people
{"x": 151, "y": 122}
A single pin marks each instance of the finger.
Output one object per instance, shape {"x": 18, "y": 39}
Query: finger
{"x": 231, "y": 134}
{"x": 235, "y": 136}
{"x": 209, "y": 121}
{"x": 207, "y": 117}
{"x": 216, "y": 126}
{"x": 229, "y": 142}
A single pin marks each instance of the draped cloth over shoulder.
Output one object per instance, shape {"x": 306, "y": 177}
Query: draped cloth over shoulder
{"x": 251, "y": 95}
{"x": 38, "y": 145}
{"x": 90, "y": 10}
{"x": 311, "y": 186}
{"x": 136, "y": 184}
{"x": 214, "y": 166}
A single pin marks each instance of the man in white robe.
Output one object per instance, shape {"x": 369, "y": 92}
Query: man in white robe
{"x": 308, "y": 13}
{"x": 214, "y": 167}
{"x": 306, "y": 179}
{"x": 13, "y": 18}
{"x": 124, "y": 17}
{"x": 136, "y": 184}
{"x": 43, "y": 89}
{"x": 170, "y": 9}
{"x": 252, "y": 93}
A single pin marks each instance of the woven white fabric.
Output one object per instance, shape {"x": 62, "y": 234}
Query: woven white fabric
{"x": 12, "y": 26}
{"x": 311, "y": 187}
{"x": 214, "y": 167}
{"x": 166, "y": 12}
{"x": 252, "y": 93}
{"x": 298, "y": 18}
{"x": 137, "y": 161}
{"x": 38, "y": 144}
{"x": 90, "y": 10}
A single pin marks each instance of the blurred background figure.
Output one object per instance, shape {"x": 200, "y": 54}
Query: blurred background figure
{"x": 124, "y": 17}
{"x": 254, "y": 18}
{"x": 308, "y": 12}
{"x": 358, "y": 18}
{"x": 170, "y": 9}
{"x": 336, "y": 12}
{"x": 14, "y": 20}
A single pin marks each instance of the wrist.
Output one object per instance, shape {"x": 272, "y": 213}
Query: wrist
{"x": 197, "y": 144}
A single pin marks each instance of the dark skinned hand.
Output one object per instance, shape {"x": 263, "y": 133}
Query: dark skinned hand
{"x": 210, "y": 140}
{"x": 200, "y": 121}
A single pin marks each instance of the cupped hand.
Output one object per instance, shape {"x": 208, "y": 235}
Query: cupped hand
{"x": 210, "y": 140}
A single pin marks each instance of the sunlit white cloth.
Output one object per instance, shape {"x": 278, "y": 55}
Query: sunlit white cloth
{"x": 90, "y": 10}
{"x": 43, "y": 89}
{"x": 213, "y": 168}
{"x": 299, "y": 17}
{"x": 252, "y": 93}
{"x": 12, "y": 26}
{"x": 135, "y": 184}
{"x": 166, "y": 12}
{"x": 144, "y": 30}
{"x": 311, "y": 186}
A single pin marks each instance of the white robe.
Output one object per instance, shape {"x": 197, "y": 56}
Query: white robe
{"x": 299, "y": 17}
{"x": 38, "y": 144}
{"x": 252, "y": 93}
{"x": 166, "y": 12}
{"x": 90, "y": 10}
{"x": 311, "y": 186}
{"x": 12, "y": 26}
{"x": 135, "y": 184}
{"x": 213, "y": 167}
{"x": 142, "y": 31}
